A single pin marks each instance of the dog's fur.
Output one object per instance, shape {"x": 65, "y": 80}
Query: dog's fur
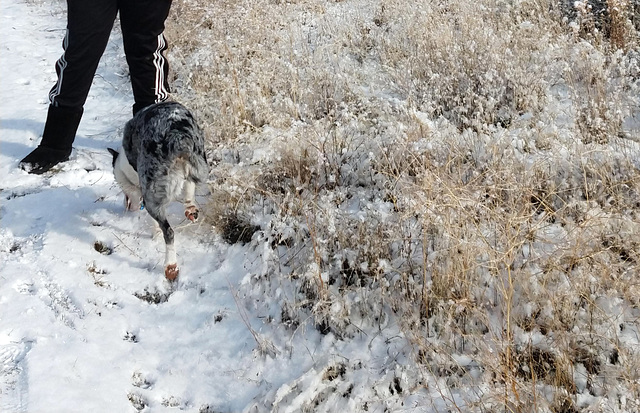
{"x": 163, "y": 157}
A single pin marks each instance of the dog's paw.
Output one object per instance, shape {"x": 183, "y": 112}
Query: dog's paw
{"x": 191, "y": 213}
{"x": 171, "y": 272}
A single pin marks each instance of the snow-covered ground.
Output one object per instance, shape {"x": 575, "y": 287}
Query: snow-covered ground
{"x": 77, "y": 273}
{"x": 88, "y": 323}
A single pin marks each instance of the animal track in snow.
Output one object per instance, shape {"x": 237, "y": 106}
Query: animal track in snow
{"x": 138, "y": 379}
{"x": 25, "y": 287}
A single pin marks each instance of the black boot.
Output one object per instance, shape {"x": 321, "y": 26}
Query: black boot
{"x": 57, "y": 138}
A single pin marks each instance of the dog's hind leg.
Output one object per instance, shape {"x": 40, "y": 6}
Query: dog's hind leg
{"x": 170, "y": 260}
{"x": 190, "y": 210}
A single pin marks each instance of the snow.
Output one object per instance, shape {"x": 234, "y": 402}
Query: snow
{"x": 88, "y": 322}
{"x": 74, "y": 336}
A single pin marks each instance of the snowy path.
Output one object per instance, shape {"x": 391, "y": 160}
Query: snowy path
{"x": 77, "y": 331}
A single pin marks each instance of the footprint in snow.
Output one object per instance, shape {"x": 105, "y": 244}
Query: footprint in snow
{"x": 61, "y": 303}
{"x": 14, "y": 381}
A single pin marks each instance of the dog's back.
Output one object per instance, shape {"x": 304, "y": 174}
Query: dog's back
{"x": 163, "y": 140}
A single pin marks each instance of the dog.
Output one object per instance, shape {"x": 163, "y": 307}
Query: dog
{"x": 162, "y": 157}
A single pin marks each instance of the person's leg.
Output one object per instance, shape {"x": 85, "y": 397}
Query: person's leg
{"x": 142, "y": 24}
{"x": 89, "y": 24}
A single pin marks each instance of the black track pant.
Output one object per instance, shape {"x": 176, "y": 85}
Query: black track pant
{"x": 89, "y": 23}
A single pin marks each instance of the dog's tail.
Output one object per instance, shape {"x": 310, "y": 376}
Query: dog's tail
{"x": 190, "y": 148}
{"x": 200, "y": 168}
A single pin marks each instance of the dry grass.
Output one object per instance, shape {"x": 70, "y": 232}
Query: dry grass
{"x": 459, "y": 174}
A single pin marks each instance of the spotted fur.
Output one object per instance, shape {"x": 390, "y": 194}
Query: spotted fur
{"x": 164, "y": 158}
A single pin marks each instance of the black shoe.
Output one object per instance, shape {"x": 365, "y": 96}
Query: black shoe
{"x": 42, "y": 159}
{"x": 57, "y": 138}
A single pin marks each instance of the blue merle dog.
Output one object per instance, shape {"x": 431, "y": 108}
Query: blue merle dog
{"x": 164, "y": 158}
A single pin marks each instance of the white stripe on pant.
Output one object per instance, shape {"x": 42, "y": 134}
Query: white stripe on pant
{"x": 159, "y": 62}
{"x": 61, "y": 65}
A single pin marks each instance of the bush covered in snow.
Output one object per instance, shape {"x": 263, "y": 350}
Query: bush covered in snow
{"x": 451, "y": 189}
